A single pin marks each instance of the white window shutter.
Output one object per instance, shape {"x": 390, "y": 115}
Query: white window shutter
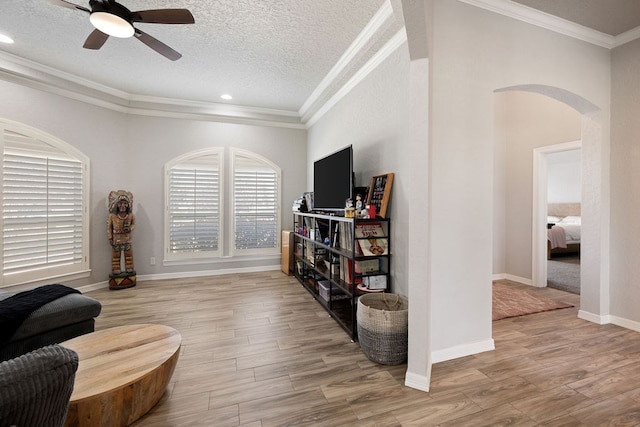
{"x": 194, "y": 207}
{"x": 256, "y": 201}
{"x": 43, "y": 217}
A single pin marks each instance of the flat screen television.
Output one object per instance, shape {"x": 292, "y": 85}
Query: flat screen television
{"x": 333, "y": 180}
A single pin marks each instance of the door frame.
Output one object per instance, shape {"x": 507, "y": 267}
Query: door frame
{"x": 539, "y": 226}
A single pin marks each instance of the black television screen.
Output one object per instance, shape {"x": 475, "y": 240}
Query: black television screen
{"x": 333, "y": 180}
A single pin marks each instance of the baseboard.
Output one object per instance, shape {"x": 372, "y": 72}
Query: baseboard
{"x": 462, "y": 351}
{"x": 418, "y": 382}
{"x": 203, "y": 273}
{"x": 608, "y": 318}
{"x": 93, "y": 286}
{"x": 593, "y": 318}
{"x": 183, "y": 275}
{"x": 505, "y": 276}
{"x": 625, "y": 323}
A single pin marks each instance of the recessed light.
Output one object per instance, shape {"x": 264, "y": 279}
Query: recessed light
{"x": 5, "y": 39}
{"x": 226, "y": 96}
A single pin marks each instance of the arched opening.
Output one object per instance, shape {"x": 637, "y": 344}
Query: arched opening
{"x": 525, "y": 260}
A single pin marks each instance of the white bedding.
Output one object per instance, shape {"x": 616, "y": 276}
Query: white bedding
{"x": 565, "y": 231}
{"x": 571, "y": 231}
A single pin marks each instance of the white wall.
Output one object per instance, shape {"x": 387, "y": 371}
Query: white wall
{"x": 157, "y": 140}
{"x": 468, "y": 63}
{"x": 373, "y": 118}
{"x": 476, "y": 52}
{"x": 564, "y": 179}
{"x": 625, "y": 185}
{"x": 129, "y": 152}
{"x": 96, "y": 132}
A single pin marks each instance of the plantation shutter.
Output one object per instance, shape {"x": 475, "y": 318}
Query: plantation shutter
{"x": 42, "y": 209}
{"x": 256, "y": 199}
{"x": 194, "y": 206}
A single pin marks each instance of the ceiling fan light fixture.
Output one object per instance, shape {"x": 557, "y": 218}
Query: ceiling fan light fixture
{"x": 111, "y": 24}
{"x": 5, "y": 39}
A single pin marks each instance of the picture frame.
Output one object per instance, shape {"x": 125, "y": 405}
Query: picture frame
{"x": 380, "y": 193}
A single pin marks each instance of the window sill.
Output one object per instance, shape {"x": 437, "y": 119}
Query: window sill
{"x": 220, "y": 260}
{"x": 46, "y": 280}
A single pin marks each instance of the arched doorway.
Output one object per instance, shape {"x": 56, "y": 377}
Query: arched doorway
{"x": 594, "y": 241}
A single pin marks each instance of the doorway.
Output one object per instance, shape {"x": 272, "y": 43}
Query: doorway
{"x": 556, "y": 202}
{"x": 564, "y": 217}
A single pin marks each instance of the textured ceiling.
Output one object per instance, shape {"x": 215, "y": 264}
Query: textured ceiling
{"x": 267, "y": 53}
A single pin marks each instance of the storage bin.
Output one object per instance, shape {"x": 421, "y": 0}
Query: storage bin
{"x": 383, "y": 327}
{"x": 326, "y": 293}
{"x": 323, "y": 290}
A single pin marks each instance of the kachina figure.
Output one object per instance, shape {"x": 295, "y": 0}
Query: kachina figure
{"x": 120, "y": 225}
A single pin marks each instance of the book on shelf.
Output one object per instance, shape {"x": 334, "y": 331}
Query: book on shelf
{"x": 334, "y": 237}
{"x": 372, "y": 239}
{"x": 308, "y": 251}
{"x": 344, "y": 237}
{"x": 347, "y": 270}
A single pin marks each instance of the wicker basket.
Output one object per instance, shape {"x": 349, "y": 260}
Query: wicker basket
{"x": 383, "y": 327}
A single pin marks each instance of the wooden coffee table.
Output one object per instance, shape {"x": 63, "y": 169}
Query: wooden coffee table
{"x": 122, "y": 373}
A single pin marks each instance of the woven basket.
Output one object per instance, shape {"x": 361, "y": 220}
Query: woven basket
{"x": 383, "y": 327}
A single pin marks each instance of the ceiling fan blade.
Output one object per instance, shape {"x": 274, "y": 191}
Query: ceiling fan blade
{"x": 69, "y": 5}
{"x": 95, "y": 40}
{"x": 163, "y": 16}
{"x": 157, "y": 45}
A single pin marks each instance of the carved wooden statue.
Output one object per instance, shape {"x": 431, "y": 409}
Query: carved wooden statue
{"x": 120, "y": 225}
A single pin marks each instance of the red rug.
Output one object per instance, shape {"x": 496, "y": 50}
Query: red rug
{"x": 511, "y": 302}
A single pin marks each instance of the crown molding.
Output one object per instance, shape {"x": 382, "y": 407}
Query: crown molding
{"x": 394, "y": 43}
{"x": 554, "y": 23}
{"x": 41, "y": 77}
{"x": 370, "y": 30}
{"x": 627, "y": 37}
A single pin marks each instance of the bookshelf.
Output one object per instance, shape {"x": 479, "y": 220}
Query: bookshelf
{"x": 337, "y": 259}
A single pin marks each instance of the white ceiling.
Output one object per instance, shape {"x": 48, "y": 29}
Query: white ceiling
{"x": 284, "y": 55}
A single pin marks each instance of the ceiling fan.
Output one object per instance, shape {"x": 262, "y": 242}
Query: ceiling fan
{"x": 110, "y": 18}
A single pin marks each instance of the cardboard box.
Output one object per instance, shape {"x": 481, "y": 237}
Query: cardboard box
{"x": 287, "y": 252}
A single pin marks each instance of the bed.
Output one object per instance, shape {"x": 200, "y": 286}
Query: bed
{"x": 563, "y": 229}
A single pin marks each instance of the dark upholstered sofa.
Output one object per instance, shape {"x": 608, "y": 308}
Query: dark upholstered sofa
{"x": 35, "y": 388}
{"x": 56, "y": 321}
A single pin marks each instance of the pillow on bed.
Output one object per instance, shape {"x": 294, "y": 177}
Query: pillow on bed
{"x": 553, "y": 219}
{"x": 571, "y": 220}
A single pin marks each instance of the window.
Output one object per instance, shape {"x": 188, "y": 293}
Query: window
{"x": 197, "y": 221}
{"x": 44, "y": 199}
{"x": 256, "y": 196}
{"x": 194, "y": 206}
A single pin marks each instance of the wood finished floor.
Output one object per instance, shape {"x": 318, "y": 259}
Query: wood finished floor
{"x": 257, "y": 350}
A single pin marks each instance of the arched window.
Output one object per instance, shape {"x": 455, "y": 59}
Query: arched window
{"x": 194, "y": 205}
{"x": 45, "y": 193}
{"x": 198, "y": 222}
{"x": 256, "y": 203}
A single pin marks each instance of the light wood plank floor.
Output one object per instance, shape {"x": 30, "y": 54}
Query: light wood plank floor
{"x": 259, "y": 351}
